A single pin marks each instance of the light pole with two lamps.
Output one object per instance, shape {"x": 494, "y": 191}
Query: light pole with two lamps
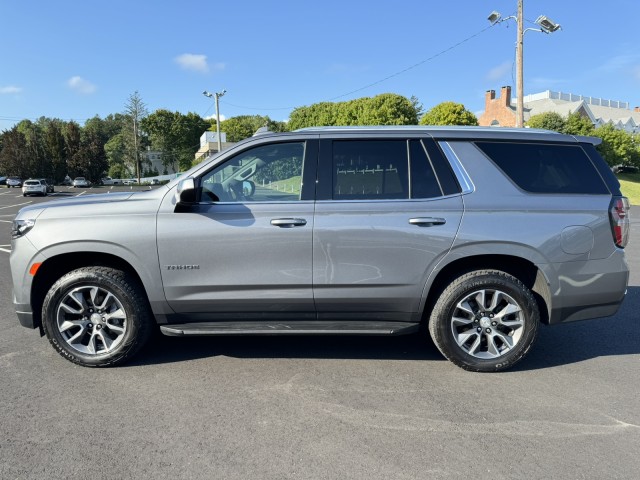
{"x": 546, "y": 26}
{"x": 217, "y": 95}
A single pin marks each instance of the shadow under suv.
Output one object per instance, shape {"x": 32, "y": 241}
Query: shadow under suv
{"x": 478, "y": 235}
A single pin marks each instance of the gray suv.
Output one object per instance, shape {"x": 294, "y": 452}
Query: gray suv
{"x": 475, "y": 235}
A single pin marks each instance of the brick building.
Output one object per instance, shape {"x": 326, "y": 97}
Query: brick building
{"x": 501, "y": 111}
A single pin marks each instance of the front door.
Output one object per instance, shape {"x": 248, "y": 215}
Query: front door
{"x": 244, "y": 251}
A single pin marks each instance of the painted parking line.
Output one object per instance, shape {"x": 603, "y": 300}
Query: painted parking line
{"x": 18, "y": 205}
{"x": 6, "y": 221}
{"x": 4, "y": 249}
{"x": 81, "y": 193}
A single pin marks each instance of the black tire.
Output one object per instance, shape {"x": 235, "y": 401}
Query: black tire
{"x": 479, "y": 315}
{"x": 97, "y": 316}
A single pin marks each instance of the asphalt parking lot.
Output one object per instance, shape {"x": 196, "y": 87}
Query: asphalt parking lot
{"x": 320, "y": 407}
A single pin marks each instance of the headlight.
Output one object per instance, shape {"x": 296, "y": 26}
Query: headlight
{"x": 21, "y": 227}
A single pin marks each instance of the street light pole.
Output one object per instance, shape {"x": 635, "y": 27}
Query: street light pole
{"x": 546, "y": 26}
{"x": 217, "y": 96}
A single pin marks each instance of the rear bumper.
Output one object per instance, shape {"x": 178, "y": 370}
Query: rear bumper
{"x": 588, "y": 289}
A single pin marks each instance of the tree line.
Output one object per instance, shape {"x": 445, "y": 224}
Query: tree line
{"x": 115, "y": 145}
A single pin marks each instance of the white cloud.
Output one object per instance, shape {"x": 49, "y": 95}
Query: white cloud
{"x": 9, "y": 89}
{"x": 499, "y": 72}
{"x": 195, "y": 62}
{"x": 213, "y": 117}
{"x": 80, "y": 85}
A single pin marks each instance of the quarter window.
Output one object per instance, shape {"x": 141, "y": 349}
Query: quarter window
{"x": 546, "y": 168}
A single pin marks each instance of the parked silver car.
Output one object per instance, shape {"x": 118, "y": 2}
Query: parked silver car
{"x": 478, "y": 235}
{"x": 81, "y": 182}
{"x": 13, "y": 182}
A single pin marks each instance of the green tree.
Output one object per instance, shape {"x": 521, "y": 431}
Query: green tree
{"x": 449, "y": 113}
{"x": 135, "y": 110}
{"x": 244, "y": 126}
{"x": 115, "y": 151}
{"x": 576, "y": 124}
{"x": 176, "y": 135}
{"x": 617, "y": 147}
{"x": 384, "y": 109}
{"x": 14, "y": 155}
{"x": 547, "y": 121}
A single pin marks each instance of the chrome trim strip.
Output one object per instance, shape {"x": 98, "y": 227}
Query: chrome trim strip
{"x": 461, "y": 174}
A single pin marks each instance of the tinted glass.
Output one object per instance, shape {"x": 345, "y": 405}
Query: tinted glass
{"x": 424, "y": 183}
{"x": 370, "y": 170}
{"x": 266, "y": 173}
{"x": 441, "y": 165}
{"x": 546, "y": 168}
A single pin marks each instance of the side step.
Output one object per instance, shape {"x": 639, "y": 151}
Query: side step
{"x": 290, "y": 328}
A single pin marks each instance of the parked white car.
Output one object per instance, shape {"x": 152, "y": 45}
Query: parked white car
{"x": 34, "y": 187}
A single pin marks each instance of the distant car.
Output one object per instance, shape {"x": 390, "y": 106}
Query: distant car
{"x": 130, "y": 181}
{"x": 67, "y": 181}
{"x": 3, "y": 180}
{"x": 109, "y": 181}
{"x": 155, "y": 181}
{"x": 14, "y": 182}
{"x": 81, "y": 182}
{"x": 49, "y": 183}
{"x": 34, "y": 186}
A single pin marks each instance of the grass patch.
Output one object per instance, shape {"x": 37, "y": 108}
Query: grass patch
{"x": 630, "y": 186}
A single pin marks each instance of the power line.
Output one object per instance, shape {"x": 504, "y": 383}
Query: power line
{"x": 377, "y": 82}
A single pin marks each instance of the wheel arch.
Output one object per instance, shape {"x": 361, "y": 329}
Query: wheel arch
{"x": 521, "y": 268}
{"x": 55, "y": 267}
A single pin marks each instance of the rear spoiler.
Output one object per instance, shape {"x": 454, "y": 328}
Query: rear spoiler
{"x": 595, "y": 141}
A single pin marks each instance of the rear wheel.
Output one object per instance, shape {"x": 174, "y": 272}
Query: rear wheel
{"x": 96, "y": 316}
{"x": 485, "y": 321}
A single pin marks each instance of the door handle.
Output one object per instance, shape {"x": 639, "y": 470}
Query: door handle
{"x": 427, "y": 221}
{"x": 288, "y": 222}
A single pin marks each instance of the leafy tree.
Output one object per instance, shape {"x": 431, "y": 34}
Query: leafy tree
{"x": 55, "y": 148}
{"x": 135, "y": 110}
{"x": 576, "y": 124}
{"x": 548, "y": 121}
{"x": 14, "y": 155}
{"x": 244, "y": 126}
{"x": 72, "y": 139}
{"x": 449, "y": 113}
{"x": 115, "y": 151}
{"x": 176, "y": 135}
{"x": 617, "y": 147}
{"x": 384, "y": 109}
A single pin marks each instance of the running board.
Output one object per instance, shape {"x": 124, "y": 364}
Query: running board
{"x": 290, "y": 328}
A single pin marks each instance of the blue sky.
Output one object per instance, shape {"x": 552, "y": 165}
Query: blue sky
{"x": 73, "y": 59}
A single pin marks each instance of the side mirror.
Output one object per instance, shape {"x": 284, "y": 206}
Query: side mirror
{"x": 186, "y": 192}
{"x": 248, "y": 188}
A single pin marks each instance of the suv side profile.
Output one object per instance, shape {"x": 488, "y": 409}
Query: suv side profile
{"x": 475, "y": 235}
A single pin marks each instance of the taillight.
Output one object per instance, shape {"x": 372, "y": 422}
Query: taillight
{"x": 619, "y": 218}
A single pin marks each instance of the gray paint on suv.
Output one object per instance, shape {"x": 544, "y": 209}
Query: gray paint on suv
{"x": 336, "y": 231}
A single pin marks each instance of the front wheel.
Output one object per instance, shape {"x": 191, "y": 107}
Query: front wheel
{"x": 96, "y": 316}
{"x": 485, "y": 321}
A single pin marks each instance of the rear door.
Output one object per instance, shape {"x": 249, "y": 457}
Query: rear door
{"x": 383, "y": 220}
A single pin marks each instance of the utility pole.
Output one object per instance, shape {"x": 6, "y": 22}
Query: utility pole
{"x": 217, "y": 96}
{"x": 546, "y": 26}
{"x": 520, "y": 68}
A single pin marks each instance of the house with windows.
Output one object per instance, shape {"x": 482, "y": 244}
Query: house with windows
{"x": 501, "y": 111}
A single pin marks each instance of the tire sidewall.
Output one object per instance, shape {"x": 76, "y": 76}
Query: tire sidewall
{"x": 462, "y": 287}
{"x": 88, "y": 277}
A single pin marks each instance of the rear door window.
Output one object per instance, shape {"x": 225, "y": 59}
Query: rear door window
{"x": 370, "y": 170}
{"x": 546, "y": 168}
